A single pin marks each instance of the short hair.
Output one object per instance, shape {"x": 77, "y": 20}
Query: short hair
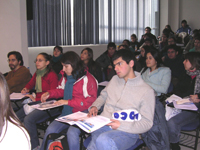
{"x": 133, "y": 35}
{"x": 125, "y": 46}
{"x": 148, "y": 28}
{"x": 148, "y": 39}
{"x": 173, "y": 46}
{"x": 194, "y": 58}
{"x": 127, "y": 41}
{"x": 111, "y": 44}
{"x": 59, "y": 48}
{"x": 172, "y": 37}
{"x": 126, "y": 55}
{"x": 74, "y": 60}
{"x": 18, "y": 56}
{"x": 184, "y": 21}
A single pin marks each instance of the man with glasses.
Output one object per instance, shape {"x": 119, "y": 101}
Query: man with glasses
{"x": 151, "y": 36}
{"x": 19, "y": 75}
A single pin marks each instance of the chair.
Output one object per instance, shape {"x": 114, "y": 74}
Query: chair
{"x": 186, "y": 138}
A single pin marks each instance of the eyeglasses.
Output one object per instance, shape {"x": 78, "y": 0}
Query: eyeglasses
{"x": 39, "y": 60}
{"x": 13, "y": 60}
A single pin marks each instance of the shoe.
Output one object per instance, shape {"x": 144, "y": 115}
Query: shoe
{"x": 175, "y": 146}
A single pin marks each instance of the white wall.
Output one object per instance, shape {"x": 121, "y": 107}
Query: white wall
{"x": 34, "y": 51}
{"x": 13, "y": 30}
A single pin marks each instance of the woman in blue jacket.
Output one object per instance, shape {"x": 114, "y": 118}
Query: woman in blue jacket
{"x": 153, "y": 74}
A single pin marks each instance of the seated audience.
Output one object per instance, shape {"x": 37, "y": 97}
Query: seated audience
{"x": 175, "y": 62}
{"x": 127, "y": 43}
{"x": 13, "y": 135}
{"x": 164, "y": 42}
{"x": 80, "y": 91}
{"x": 134, "y": 43}
{"x": 55, "y": 61}
{"x": 117, "y": 96}
{"x": 196, "y": 45}
{"x": 148, "y": 31}
{"x": 148, "y": 42}
{"x": 105, "y": 61}
{"x": 188, "y": 85}
{"x": 19, "y": 75}
{"x": 43, "y": 80}
{"x": 154, "y": 75}
{"x": 184, "y": 28}
{"x": 190, "y": 44}
{"x": 93, "y": 67}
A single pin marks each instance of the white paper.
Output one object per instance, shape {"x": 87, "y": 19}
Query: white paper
{"x": 88, "y": 124}
{"x": 186, "y": 106}
{"x": 16, "y": 96}
{"x": 46, "y": 105}
{"x": 104, "y": 83}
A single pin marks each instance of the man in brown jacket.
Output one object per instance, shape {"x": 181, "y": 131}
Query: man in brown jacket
{"x": 19, "y": 75}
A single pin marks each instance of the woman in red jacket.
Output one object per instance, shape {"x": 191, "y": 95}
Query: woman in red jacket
{"x": 77, "y": 88}
{"x": 43, "y": 80}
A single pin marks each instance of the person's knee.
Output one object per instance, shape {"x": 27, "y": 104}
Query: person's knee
{"x": 73, "y": 131}
{"x": 104, "y": 142}
{"x": 171, "y": 126}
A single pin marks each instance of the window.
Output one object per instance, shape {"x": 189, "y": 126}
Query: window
{"x": 72, "y": 22}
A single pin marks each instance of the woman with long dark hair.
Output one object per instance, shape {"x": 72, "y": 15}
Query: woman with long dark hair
{"x": 188, "y": 85}
{"x": 153, "y": 74}
{"x": 13, "y": 135}
{"x": 43, "y": 80}
{"x": 77, "y": 88}
{"x": 93, "y": 67}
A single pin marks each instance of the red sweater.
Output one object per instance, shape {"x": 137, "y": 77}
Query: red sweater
{"x": 84, "y": 92}
{"x": 49, "y": 82}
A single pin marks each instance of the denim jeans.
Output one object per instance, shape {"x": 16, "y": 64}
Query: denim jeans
{"x": 54, "y": 127}
{"x": 73, "y": 137}
{"x": 105, "y": 138}
{"x": 30, "y": 121}
{"x": 178, "y": 121}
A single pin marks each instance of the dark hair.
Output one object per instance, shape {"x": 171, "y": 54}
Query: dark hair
{"x": 173, "y": 46}
{"x": 111, "y": 44}
{"x": 166, "y": 34}
{"x": 74, "y": 60}
{"x": 183, "y": 21}
{"x": 126, "y": 55}
{"x": 133, "y": 35}
{"x": 194, "y": 58}
{"x": 172, "y": 37}
{"x": 170, "y": 29}
{"x": 90, "y": 52}
{"x": 59, "y": 48}
{"x": 127, "y": 41}
{"x": 148, "y": 28}
{"x": 47, "y": 57}
{"x": 6, "y": 110}
{"x": 18, "y": 56}
{"x": 125, "y": 46}
{"x": 146, "y": 48}
{"x": 156, "y": 55}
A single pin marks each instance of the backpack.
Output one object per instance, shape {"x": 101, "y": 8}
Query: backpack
{"x": 58, "y": 142}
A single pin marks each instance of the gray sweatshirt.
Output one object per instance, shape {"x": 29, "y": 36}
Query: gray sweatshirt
{"x": 133, "y": 94}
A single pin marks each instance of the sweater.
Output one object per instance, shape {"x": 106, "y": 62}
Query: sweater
{"x": 158, "y": 79}
{"x": 120, "y": 95}
{"x": 49, "y": 82}
{"x": 83, "y": 95}
{"x": 18, "y": 79}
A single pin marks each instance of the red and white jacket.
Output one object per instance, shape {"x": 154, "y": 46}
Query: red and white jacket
{"x": 83, "y": 95}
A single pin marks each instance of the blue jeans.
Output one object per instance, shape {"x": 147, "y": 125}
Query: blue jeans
{"x": 73, "y": 137}
{"x": 30, "y": 121}
{"x": 178, "y": 121}
{"x": 105, "y": 138}
{"x": 54, "y": 127}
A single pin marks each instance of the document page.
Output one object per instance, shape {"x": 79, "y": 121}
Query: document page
{"x": 46, "y": 105}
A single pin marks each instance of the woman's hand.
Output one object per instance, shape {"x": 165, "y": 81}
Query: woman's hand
{"x": 61, "y": 102}
{"x": 194, "y": 98}
{"x": 24, "y": 91}
{"x": 44, "y": 97}
{"x": 31, "y": 97}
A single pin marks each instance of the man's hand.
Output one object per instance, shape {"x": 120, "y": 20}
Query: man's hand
{"x": 194, "y": 98}
{"x": 93, "y": 111}
{"x": 61, "y": 102}
{"x": 114, "y": 124}
{"x": 44, "y": 97}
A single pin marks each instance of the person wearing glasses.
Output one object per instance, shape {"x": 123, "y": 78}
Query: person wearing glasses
{"x": 43, "y": 80}
{"x": 19, "y": 75}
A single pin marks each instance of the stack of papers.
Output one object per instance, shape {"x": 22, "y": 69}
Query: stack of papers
{"x": 16, "y": 96}
{"x": 46, "y": 105}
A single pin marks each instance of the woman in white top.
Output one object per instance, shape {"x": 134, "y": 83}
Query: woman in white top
{"x": 12, "y": 133}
